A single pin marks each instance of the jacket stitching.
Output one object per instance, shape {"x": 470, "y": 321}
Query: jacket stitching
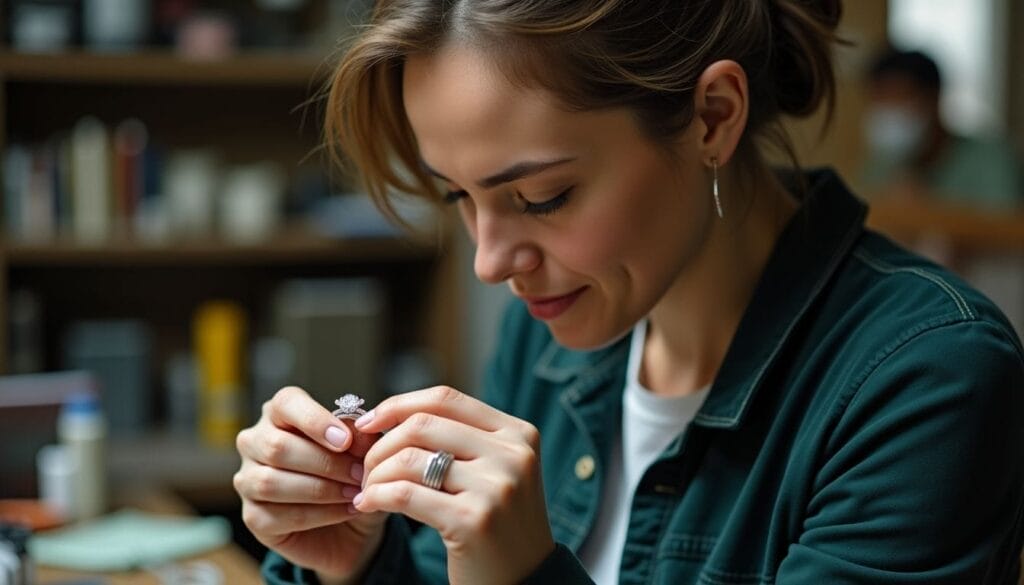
{"x": 885, "y": 268}
{"x": 666, "y": 516}
{"x": 695, "y": 547}
{"x": 716, "y": 577}
{"x": 565, "y": 520}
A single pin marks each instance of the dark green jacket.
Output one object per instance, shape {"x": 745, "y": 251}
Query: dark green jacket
{"x": 865, "y": 427}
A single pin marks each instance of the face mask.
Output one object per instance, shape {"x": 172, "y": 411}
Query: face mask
{"x": 893, "y": 132}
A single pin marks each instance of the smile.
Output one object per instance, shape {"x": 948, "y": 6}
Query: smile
{"x": 547, "y": 308}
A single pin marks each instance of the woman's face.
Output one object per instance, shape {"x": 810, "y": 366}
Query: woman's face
{"x": 586, "y": 219}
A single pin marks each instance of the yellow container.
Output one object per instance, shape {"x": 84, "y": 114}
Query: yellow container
{"x": 219, "y": 337}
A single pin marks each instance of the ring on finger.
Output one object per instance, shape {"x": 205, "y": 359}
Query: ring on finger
{"x": 436, "y": 469}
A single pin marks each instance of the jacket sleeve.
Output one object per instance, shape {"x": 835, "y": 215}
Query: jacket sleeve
{"x": 394, "y": 563}
{"x": 921, "y": 479}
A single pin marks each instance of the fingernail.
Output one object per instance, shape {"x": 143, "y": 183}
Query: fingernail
{"x": 352, "y": 509}
{"x": 336, "y": 436}
{"x": 350, "y": 491}
{"x": 358, "y": 499}
{"x": 357, "y": 471}
{"x": 364, "y": 420}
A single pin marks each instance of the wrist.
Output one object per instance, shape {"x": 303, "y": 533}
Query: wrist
{"x": 373, "y": 544}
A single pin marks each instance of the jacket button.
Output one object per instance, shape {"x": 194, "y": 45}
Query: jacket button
{"x": 585, "y": 467}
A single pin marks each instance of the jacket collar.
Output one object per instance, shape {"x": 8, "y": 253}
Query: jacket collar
{"x": 808, "y": 252}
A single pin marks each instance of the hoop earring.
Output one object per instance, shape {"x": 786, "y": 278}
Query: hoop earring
{"x": 714, "y": 187}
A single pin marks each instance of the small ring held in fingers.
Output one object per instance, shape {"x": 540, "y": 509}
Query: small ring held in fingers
{"x": 348, "y": 407}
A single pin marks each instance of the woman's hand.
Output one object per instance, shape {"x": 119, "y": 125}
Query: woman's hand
{"x": 490, "y": 509}
{"x": 300, "y": 469}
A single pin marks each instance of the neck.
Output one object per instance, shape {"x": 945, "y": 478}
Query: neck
{"x": 693, "y": 324}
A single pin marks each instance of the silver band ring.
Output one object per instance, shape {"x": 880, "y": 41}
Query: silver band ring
{"x": 437, "y": 467}
{"x": 348, "y": 407}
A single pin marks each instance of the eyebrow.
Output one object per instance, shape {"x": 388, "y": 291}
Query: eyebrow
{"x": 513, "y": 173}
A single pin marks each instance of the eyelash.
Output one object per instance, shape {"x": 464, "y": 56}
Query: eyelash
{"x": 544, "y": 208}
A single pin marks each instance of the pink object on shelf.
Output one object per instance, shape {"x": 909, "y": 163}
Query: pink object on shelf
{"x": 207, "y": 36}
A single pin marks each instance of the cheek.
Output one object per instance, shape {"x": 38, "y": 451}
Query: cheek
{"x": 635, "y": 222}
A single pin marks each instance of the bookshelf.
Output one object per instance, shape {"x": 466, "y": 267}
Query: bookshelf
{"x": 250, "y": 105}
{"x": 162, "y": 67}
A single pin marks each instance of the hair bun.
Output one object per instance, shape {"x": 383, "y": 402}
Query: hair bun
{"x": 805, "y": 35}
{"x": 831, "y": 12}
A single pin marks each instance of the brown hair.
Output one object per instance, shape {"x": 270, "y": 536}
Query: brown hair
{"x": 590, "y": 54}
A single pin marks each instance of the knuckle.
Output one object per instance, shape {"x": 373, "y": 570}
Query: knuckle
{"x": 408, "y": 457}
{"x": 238, "y": 482}
{"x": 263, "y": 485}
{"x": 321, "y": 491}
{"x": 402, "y": 493}
{"x": 252, "y": 518}
{"x": 242, "y": 440}
{"x": 275, "y": 448}
{"x": 327, "y": 465}
{"x": 523, "y": 458}
{"x": 446, "y": 394}
{"x": 419, "y": 423}
{"x": 531, "y": 435}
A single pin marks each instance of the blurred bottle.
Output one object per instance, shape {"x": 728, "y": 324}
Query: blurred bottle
{"x": 82, "y": 429}
{"x": 219, "y": 332}
{"x": 15, "y": 565}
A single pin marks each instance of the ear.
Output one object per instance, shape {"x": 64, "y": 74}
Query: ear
{"x": 721, "y": 103}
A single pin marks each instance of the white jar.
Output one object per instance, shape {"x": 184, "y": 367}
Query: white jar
{"x": 82, "y": 428}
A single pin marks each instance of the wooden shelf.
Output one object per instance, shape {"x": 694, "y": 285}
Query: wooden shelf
{"x": 163, "y": 68}
{"x": 965, "y": 227}
{"x": 293, "y": 246}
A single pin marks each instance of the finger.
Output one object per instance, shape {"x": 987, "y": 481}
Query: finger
{"x": 440, "y": 400}
{"x": 432, "y": 433}
{"x": 429, "y": 506}
{"x": 272, "y": 519}
{"x": 266, "y": 484}
{"x": 361, "y": 442}
{"x": 285, "y": 450}
{"x": 292, "y": 408}
{"x": 410, "y": 463}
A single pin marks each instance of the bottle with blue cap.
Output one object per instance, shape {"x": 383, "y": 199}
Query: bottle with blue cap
{"x": 82, "y": 428}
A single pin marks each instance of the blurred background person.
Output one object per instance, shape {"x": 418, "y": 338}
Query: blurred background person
{"x": 913, "y": 154}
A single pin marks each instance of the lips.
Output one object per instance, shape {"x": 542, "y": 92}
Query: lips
{"x": 547, "y": 308}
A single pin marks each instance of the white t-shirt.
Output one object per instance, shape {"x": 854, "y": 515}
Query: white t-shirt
{"x": 649, "y": 423}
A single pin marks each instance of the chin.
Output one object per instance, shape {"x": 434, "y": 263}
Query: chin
{"x": 586, "y": 340}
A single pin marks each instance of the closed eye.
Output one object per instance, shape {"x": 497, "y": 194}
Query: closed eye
{"x": 547, "y": 207}
{"x": 454, "y": 196}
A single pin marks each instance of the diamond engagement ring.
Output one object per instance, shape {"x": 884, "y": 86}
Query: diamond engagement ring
{"x": 348, "y": 407}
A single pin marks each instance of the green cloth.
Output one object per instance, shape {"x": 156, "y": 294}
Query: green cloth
{"x": 983, "y": 172}
{"x": 864, "y": 428}
{"x": 128, "y": 540}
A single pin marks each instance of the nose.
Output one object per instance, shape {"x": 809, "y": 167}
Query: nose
{"x": 501, "y": 253}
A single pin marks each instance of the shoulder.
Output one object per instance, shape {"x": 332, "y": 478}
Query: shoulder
{"x": 899, "y": 293}
{"x": 922, "y": 334}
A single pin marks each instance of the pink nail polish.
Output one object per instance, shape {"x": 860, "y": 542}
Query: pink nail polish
{"x": 350, "y": 491}
{"x": 358, "y": 499}
{"x": 357, "y": 471}
{"x": 364, "y": 420}
{"x": 336, "y": 436}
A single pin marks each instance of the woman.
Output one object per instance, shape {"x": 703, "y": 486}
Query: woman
{"x": 714, "y": 375}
